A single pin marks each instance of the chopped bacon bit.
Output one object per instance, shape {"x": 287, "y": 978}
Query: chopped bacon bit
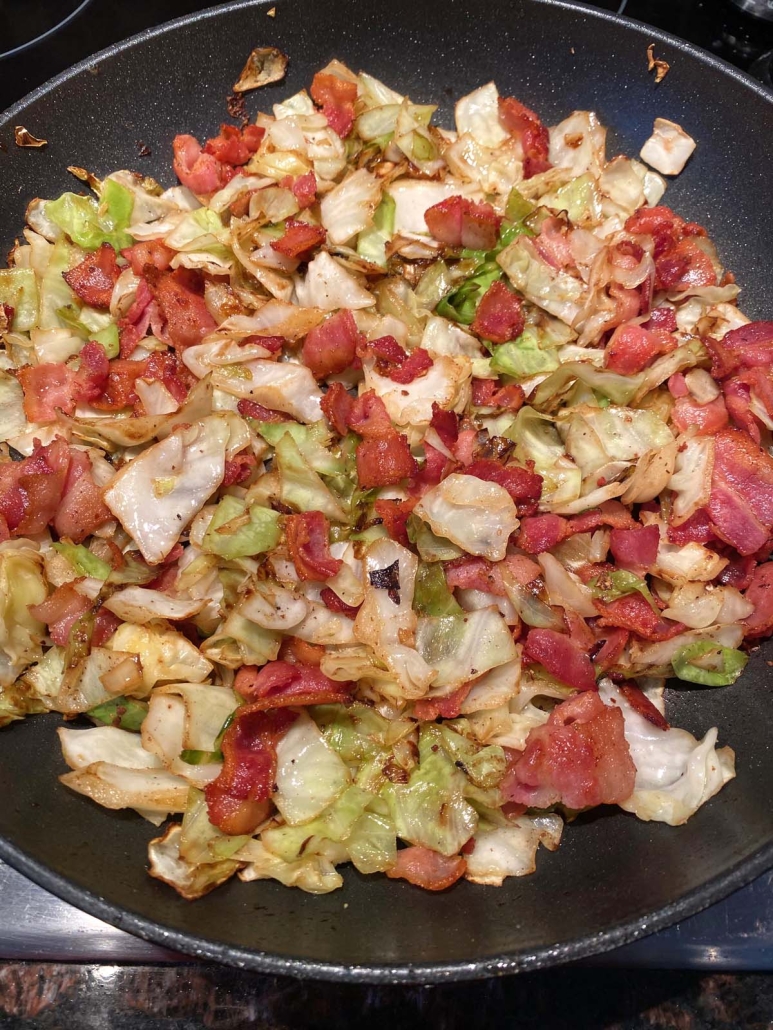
{"x": 540, "y": 533}
{"x": 299, "y": 239}
{"x": 251, "y": 409}
{"x": 553, "y": 245}
{"x": 303, "y": 187}
{"x": 239, "y": 468}
{"x": 301, "y": 652}
{"x": 435, "y": 468}
{"x": 486, "y": 393}
{"x": 459, "y": 222}
{"x": 60, "y": 611}
{"x": 148, "y": 252}
{"x": 283, "y": 684}
{"x": 430, "y": 708}
{"x": 235, "y": 146}
{"x": 738, "y": 573}
{"x": 468, "y": 573}
{"x": 337, "y": 406}
{"x": 662, "y": 318}
{"x": 522, "y": 122}
{"x": 445, "y": 424}
{"x": 613, "y": 643}
{"x": 524, "y": 487}
{"x": 119, "y": 392}
{"x": 94, "y": 278}
{"x": 308, "y": 537}
{"x": 580, "y": 757}
{"x": 81, "y": 509}
{"x": 384, "y": 461}
{"x": 200, "y": 172}
{"x": 331, "y": 600}
{"x": 369, "y": 416}
{"x": 336, "y": 97}
{"x": 394, "y": 516}
{"x": 181, "y": 301}
{"x": 426, "y": 868}
{"x": 31, "y": 490}
{"x": 331, "y": 347}
{"x": 237, "y": 801}
{"x": 741, "y": 503}
{"x": 760, "y": 593}
{"x": 632, "y": 348}
{"x": 610, "y": 513}
{"x": 562, "y": 658}
{"x": 635, "y": 549}
{"x": 499, "y": 317}
{"x": 707, "y": 419}
{"x": 633, "y": 612}
{"x": 684, "y": 266}
{"x": 395, "y": 362}
{"x": 47, "y": 387}
{"x": 750, "y": 345}
{"x": 483, "y": 391}
{"x": 642, "y": 705}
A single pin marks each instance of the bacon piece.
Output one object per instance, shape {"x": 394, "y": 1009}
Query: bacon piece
{"x": 662, "y": 318}
{"x": 180, "y": 299}
{"x": 299, "y": 239}
{"x": 553, "y": 245}
{"x": 486, "y": 393}
{"x": 93, "y": 372}
{"x": 458, "y": 222}
{"x": 468, "y": 573}
{"x": 119, "y": 392}
{"x": 237, "y": 801}
{"x": 238, "y": 468}
{"x": 333, "y": 603}
{"x": 200, "y": 172}
{"x": 750, "y": 345}
{"x": 580, "y": 758}
{"x": 642, "y": 705}
{"x": 396, "y": 363}
{"x": 540, "y": 533}
{"x": 522, "y": 122}
{"x": 308, "y": 540}
{"x": 94, "y": 278}
{"x": 148, "y": 252}
{"x": 303, "y": 187}
{"x": 251, "y": 409}
{"x": 331, "y": 347}
{"x": 632, "y": 348}
{"x": 561, "y": 657}
{"x": 60, "y": 611}
{"x": 394, "y": 516}
{"x": 81, "y": 509}
{"x": 134, "y": 326}
{"x": 337, "y": 405}
{"x": 430, "y": 708}
{"x": 760, "y": 594}
{"x": 610, "y": 513}
{"x": 635, "y": 549}
{"x": 301, "y": 652}
{"x": 369, "y": 416}
{"x": 234, "y": 146}
{"x": 524, "y": 487}
{"x": 741, "y": 503}
{"x": 634, "y": 613}
{"x": 336, "y": 97}
{"x": 684, "y": 266}
{"x": 613, "y": 643}
{"x": 707, "y": 419}
{"x": 426, "y": 868}
{"x": 738, "y": 573}
{"x": 435, "y": 468}
{"x": 283, "y": 684}
{"x": 47, "y": 387}
{"x": 697, "y": 529}
{"x": 464, "y": 451}
{"x": 384, "y": 461}
{"x": 445, "y": 424}
{"x": 499, "y": 317}
{"x": 31, "y": 490}
{"x": 661, "y": 223}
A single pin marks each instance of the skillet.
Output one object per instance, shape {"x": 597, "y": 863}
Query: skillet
{"x": 614, "y": 878}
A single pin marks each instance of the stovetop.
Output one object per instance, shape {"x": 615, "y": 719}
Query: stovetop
{"x": 736, "y": 934}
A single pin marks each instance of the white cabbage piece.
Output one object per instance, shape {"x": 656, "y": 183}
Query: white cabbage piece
{"x": 564, "y": 588}
{"x": 691, "y": 481}
{"x": 21, "y": 584}
{"x": 512, "y": 850}
{"x": 387, "y": 622}
{"x": 309, "y": 773}
{"x": 348, "y": 209}
{"x": 698, "y": 605}
{"x": 83, "y": 687}
{"x": 315, "y": 874}
{"x": 165, "y": 654}
{"x": 274, "y": 607}
{"x": 462, "y": 647}
{"x": 442, "y": 337}
{"x": 155, "y": 496}
{"x": 554, "y": 291}
{"x": 478, "y": 114}
{"x": 321, "y": 626}
{"x": 275, "y": 318}
{"x": 191, "y": 881}
{"x": 629, "y": 185}
{"x": 477, "y": 516}
{"x": 281, "y": 385}
{"x": 686, "y": 563}
{"x": 328, "y": 286}
{"x": 112, "y": 786}
{"x": 138, "y": 604}
{"x": 658, "y": 656}
{"x": 675, "y": 773}
{"x": 82, "y": 748}
{"x": 446, "y": 383}
{"x": 669, "y": 147}
{"x": 495, "y": 688}
{"x": 578, "y": 144}
{"x": 595, "y": 436}
{"x": 494, "y": 169}
{"x": 12, "y": 417}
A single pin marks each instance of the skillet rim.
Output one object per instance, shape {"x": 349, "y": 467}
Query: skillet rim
{"x": 715, "y": 889}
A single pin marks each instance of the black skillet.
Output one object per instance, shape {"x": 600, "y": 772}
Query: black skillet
{"x": 614, "y": 878}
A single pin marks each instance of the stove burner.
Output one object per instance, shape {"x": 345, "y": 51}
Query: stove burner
{"x": 24, "y": 24}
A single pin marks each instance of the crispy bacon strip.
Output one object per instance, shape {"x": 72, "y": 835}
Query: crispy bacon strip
{"x": 308, "y": 537}
{"x": 284, "y": 684}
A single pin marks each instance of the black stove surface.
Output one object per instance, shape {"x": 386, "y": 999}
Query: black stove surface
{"x": 732, "y": 935}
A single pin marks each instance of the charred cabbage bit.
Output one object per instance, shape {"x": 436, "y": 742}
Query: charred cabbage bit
{"x": 339, "y": 472}
{"x": 264, "y": 66}
{"x": 24, "y": 138}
